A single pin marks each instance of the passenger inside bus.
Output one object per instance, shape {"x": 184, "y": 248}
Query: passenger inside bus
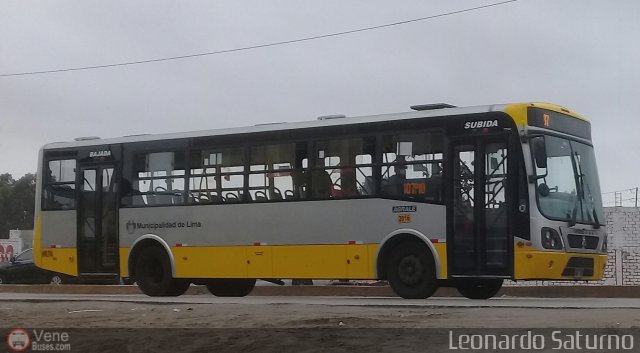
{"x": 347, "y": 184}
{"x": 321, "y": 184}
{"x": 394, "y": 185}
{"x": 130, "y": 196}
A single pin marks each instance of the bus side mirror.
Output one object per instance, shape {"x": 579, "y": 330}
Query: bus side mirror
{"x": 539, "y": 151}
{"x": 12, "y": 259}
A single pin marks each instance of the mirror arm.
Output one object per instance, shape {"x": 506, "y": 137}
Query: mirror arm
{"x": 534, "y": 178}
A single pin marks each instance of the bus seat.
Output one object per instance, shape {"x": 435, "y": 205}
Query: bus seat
{"x": 275, "y": 194}
{"x": 261, "y": 196}
{"x": 231, "y": 198}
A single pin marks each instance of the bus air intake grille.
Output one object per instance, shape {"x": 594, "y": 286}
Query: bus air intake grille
{"x": 579, "y": 267}
{"x": 577, "y": 241}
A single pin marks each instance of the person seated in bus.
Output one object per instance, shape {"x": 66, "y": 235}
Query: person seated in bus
{"x": 347, "y": 184}
{"x": 321, "y": 184}
{"x": 434, "y": 184}
{"x": 130, "y": 196}
{"x": 125, "y": 192}
{"x": 394, "y": 185}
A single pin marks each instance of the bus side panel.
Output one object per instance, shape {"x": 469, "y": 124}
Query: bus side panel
{"x": 331, "y": 239}
{"x": 211, "y": 262}
{"x": 259, "y": 261}
{"x": 60, "y": 260}
{"x": 310, "y": 261}
{"x": 358, "y": 264}
{"x": 57, "y": 241}
{"x": 284, "y": 261}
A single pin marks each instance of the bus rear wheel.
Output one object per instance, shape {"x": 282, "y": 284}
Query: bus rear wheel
{"x": 231, "y": 287}
{"x": 480, "y": 289}
{"x": 178, "y": 287}
{"x": 153, "y": 274}
{"x": 411, "y": 271}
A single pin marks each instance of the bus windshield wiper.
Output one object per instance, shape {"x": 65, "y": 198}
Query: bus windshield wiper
{"x": 574, "y": 212}
{"x": 579, "y": 190}
{"x": 584, "y": 183}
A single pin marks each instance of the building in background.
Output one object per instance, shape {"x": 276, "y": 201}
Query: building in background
{"x": 18, "y": 241}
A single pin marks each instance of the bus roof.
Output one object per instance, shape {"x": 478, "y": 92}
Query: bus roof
{"x": 332, "y": 121}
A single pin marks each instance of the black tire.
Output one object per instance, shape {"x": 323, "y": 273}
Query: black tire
{"x": 231, "y": 287}
{"x": 178, "y": 287}
{"x": 153, "y": 272}
{"x": 480, "y": 289}
{"x": 57, "y": 279}
{"x": 411, "y": 270}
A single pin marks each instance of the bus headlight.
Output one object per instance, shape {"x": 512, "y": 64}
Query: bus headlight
{"x": 551, "y": 239}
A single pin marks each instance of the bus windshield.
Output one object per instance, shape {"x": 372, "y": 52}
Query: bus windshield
{"x": 568, "y": 188}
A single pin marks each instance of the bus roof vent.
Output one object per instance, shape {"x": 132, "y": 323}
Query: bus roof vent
{"x": 329, "y": 117}
{"x": 86, "y": 138}
{"x": 275, "y": 123}
{"x": 432, "y": 106}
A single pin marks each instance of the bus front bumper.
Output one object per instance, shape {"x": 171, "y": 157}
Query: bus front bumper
{"x": 547, "y": 265}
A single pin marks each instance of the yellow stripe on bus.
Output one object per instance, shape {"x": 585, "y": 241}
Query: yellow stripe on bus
{"x": 441, "y": 249}
{"x": 281, "y": 261}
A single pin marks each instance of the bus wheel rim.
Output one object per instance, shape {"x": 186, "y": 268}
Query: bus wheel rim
{"x": 410, "y": 270}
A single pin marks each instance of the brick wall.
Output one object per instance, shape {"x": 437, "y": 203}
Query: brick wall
{"x": 623, "y": 263}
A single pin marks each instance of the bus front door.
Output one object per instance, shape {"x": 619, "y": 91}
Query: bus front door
{"x": 479, "y": 242}
{"x": 97, "y": 223}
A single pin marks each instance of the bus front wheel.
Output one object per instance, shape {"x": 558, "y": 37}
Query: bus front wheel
{"x": 480, "y": 289}
{"x": 231, "y": 287}
{"x": 411, "y": 271}
{"x": 153, "y": 274}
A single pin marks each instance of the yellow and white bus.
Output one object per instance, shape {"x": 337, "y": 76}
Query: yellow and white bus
{"x": 440, "y": 196}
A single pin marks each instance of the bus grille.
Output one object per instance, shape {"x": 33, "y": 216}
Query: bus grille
{"x": 577, "y": 241}
{"x": 579, "y": 267}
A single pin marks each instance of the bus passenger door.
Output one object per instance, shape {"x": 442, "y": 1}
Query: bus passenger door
{"x": 97, "y": 222}
{"x": 478, "y": 212}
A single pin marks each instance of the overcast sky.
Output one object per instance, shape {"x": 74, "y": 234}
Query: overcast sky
{"x": 581, "y": 54}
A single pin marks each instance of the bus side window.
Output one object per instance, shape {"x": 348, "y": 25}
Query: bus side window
{"x": 276, "y": 172}
{"x": 59, "y": 192}
{"x": 348, "y": 162}
{"x": 161, "y": 178}
{"x": 412, "y": 166}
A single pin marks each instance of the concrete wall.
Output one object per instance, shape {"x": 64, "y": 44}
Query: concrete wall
{"x": 623, "y": 263}
{"x": 623, "y": 227}
{"x": 11, "y": 246}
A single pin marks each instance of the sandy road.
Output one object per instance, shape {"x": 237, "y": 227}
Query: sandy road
{"x": 264, "y": 324}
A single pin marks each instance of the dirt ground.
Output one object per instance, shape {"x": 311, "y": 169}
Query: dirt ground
{"x": 138, "y": 327}
{"x": 87, "y": 314}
